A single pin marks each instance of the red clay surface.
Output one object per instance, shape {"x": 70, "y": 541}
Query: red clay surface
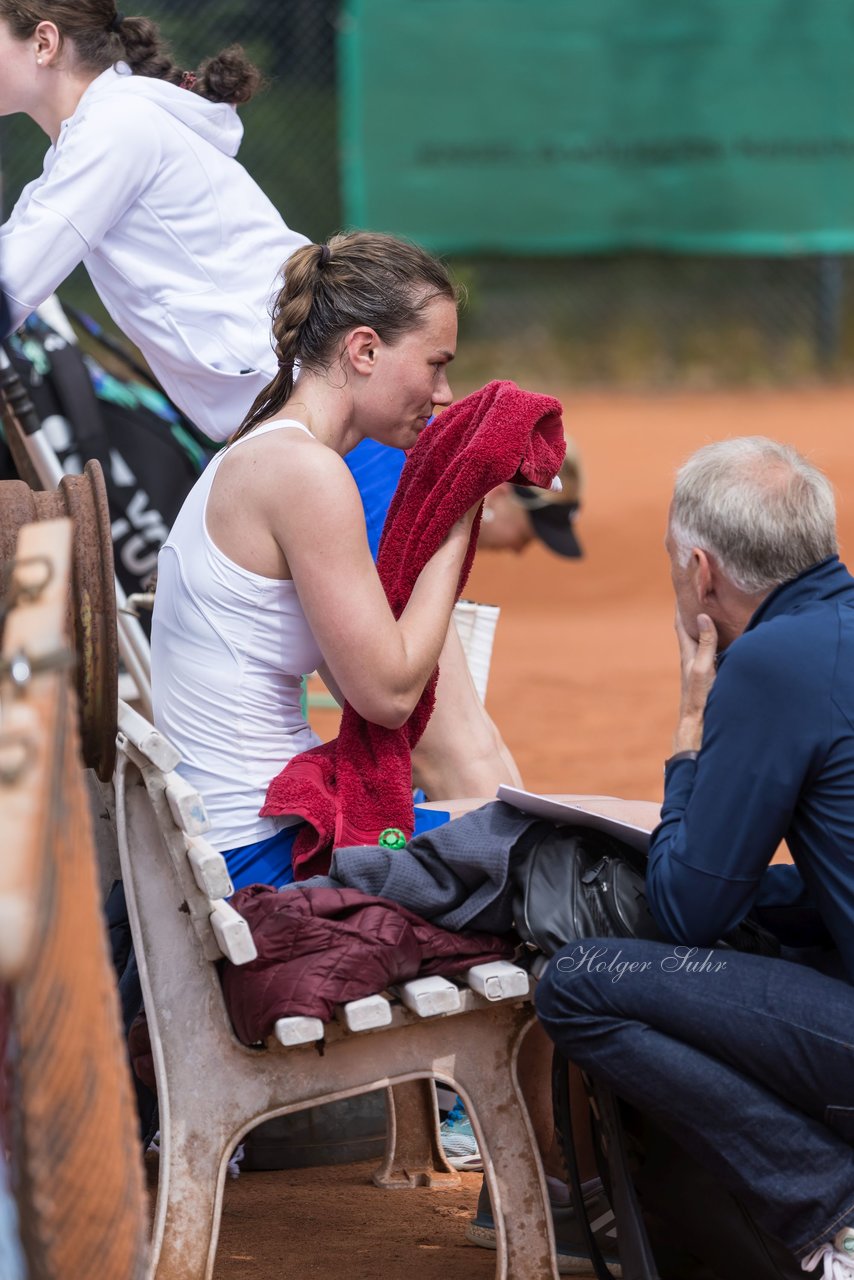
{"x": 584, "y": 688}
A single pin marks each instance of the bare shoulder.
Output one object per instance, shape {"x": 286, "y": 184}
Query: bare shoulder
{"x": 294, "y": 481}
{"x": 288, "y": 457}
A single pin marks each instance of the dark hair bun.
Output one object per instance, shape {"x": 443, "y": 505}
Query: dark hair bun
{"x": 229, "y": 77}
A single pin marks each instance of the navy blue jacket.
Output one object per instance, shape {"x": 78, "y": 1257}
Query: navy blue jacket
{"x": 777, "y": 763}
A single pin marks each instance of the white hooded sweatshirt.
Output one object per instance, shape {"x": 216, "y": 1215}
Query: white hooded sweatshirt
{"x": 181, "y": 244}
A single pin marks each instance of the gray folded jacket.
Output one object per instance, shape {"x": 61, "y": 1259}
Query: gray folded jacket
{"x": 456, "y": 875}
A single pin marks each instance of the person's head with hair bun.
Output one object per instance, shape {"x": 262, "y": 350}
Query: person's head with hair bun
{"x": 363, "y": 288}
{"x": 85, "y": 37}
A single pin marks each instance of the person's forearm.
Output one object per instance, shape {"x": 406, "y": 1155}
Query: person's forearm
{"x": 718, "y": 831}
{"x": 424, "y": 622}
{"x": 399, "y": 657}
{"x": 689, "y": 733}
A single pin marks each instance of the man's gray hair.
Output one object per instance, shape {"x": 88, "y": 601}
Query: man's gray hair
{"x": 759, "y": 508}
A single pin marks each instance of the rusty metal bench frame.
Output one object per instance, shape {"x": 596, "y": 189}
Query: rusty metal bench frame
{"x": 213, "y": 1089}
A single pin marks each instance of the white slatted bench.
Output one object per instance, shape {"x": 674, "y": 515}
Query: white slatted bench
{"x": 212, "y": 1089}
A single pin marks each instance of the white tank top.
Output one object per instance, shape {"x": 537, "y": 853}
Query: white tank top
{"x": 228, "y": 648}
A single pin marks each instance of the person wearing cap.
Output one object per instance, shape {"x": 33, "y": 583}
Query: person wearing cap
{"x": 514, "y": 515}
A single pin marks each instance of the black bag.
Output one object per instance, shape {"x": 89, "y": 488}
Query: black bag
{"x": 573, "y": 883}
{"x": 151, "y": 456}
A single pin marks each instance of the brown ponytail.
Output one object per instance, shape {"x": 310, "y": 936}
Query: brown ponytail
{"x": 101, "y": 36}
{"x": 359, "y": 278}
{"x": 292, "y": 309}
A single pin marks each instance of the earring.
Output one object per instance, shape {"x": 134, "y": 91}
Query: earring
{"x": 40, "y": 60}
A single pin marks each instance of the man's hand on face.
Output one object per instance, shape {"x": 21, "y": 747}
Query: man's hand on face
{"x": 697, "y": 659}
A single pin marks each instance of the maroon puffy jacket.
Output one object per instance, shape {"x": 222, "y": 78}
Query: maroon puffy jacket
{"x": 322, "y": 947}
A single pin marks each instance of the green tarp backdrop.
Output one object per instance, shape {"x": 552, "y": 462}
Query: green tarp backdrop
{"x": 554, "y": 126}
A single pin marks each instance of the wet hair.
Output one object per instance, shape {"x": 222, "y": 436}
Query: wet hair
{"x": 358, "y": 278}
{"x": 100, "y": 36}
{"x": 761, "y": 509}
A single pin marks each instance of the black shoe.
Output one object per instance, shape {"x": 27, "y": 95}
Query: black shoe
{"x": 573, "y": 1257}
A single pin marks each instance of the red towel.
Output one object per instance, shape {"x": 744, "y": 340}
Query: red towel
{"x": 350, "y": 789}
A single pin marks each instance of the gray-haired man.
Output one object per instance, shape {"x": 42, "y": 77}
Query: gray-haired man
{"x": 747, "y": 1061}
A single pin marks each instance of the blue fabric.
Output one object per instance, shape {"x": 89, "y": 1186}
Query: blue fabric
{"x": 12, "y": 1265}
{"x": 784, "y": 906}
{"x": 376, "y": 469}
{"x": 777, "y": 762}
{"x": 269, "y": 861}
{"x": 746, "y": 1061}
{"x": 429, "y": 819}
{"x": 264, "y": 862}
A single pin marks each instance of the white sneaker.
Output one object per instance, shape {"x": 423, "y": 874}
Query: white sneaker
{"x": 235, "y": 1161}
{"x": 838, "y": 1257}
{"x": 458, "y": 1140}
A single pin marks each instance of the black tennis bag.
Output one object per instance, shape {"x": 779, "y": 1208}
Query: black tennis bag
{"x": 573, "y": 883}
{"x": 151, "y": 455}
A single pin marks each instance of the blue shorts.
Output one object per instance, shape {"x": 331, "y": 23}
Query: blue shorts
{"x": 269, "y": 861}
{"x": 264, "y": 862}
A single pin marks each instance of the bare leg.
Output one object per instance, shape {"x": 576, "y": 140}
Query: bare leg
{"x": 461, "y": 752}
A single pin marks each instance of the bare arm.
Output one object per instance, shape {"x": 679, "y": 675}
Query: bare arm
{"x": 379, "y": 664}
{"x": 461, "y": 752}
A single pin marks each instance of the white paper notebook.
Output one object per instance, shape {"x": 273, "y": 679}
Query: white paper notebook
{"x": 630, "y": 820}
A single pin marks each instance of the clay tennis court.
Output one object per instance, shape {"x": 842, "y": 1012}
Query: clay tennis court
{"x": 584, "y": 687}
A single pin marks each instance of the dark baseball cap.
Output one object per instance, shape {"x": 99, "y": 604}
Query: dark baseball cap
{"x": 552, "y": 521}
{"x": 552, "y": 511}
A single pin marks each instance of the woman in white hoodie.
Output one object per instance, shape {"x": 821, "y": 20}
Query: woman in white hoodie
{"x": 140, "y": 184}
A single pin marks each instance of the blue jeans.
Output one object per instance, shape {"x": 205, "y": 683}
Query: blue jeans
{"x": 748, "y": 1062}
